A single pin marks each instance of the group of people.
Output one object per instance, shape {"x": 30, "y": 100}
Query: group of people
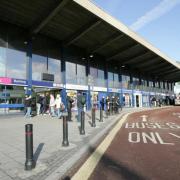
{"x": 42, "y": 104}
{"x": 48, "y": 104}
{"x": 112, "y": 104}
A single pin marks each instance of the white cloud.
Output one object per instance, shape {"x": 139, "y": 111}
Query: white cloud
{"x": 162, "y": 8}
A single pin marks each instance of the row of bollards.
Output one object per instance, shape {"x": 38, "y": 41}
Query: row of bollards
{"x": 30, "y": 162}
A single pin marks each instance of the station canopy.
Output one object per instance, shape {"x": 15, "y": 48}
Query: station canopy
{"x": 83, "y": 24}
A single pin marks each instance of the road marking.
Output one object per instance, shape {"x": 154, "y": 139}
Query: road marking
{"x": 88, "y": 167}
{"x": 174, "y": 135}
{"x": 144, "y": 118}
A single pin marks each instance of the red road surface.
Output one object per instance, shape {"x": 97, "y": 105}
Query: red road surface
{"x": 149, "y": 149}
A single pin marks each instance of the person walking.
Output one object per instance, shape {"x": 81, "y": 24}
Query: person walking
{"x": 102, "y": 102}
{"x": 69, "y": 102}
{"x": 81, "y": 101}
{"x": 44, "y": 105}
{"x": 38, "y": 104}
{"x": 28, "y": 104}
{"x": 52, "y": 105}
{"x": 58, "y": 104}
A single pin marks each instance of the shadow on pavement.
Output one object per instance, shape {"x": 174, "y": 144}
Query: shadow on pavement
{"x": 38, "y": 151}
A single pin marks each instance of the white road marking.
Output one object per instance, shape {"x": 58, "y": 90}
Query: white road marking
{"x": 88, "y": 167}
{"x": 174, "y": 135}
{"x": 144, "y": 118}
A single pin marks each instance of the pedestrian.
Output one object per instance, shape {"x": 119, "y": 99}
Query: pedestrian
{"x": 52, "y": 105}
{"x": 81, "y": 101}
{"x": 107, "y": 105}
{"x": 44, "y": 105}
{"x": 58, "y": 104}
{"x": 102, "y": 102}
{"x": 28, "y": 104}
{"x": 38, "y": 104}
{"x": 69, "y": 102}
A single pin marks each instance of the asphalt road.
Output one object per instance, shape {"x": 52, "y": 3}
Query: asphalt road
{"x": 146, "y": 147}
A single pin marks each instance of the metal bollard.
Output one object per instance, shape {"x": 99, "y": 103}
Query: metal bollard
{"x": 82, "y": 131}
{"x": 93, "y": 118}
{"x": 65, "y": 132}
{"x": 101, "y": 115}
{"x": 30, "y": 163}
{"x": 69, "y": 115}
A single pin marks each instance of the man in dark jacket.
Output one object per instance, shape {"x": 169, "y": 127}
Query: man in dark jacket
{"x": 69, "y": 102}
{"x": 102, "y": 102}
{"x": 81, "y": 101}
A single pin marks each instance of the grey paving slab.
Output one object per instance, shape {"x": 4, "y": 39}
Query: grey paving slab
{"x": 52, "y": 160}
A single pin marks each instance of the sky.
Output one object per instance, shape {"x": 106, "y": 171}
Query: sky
{"x": 157, "y": 21}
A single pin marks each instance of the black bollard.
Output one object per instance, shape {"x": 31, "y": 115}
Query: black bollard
{"x": 93, "y": 118}
{"x": 101, "y": 115}
{"x": 30, "y": 163}
{"x": 82, "y": 131}
{"x": 65, "y": 132}
{"x": 69, "y": 115}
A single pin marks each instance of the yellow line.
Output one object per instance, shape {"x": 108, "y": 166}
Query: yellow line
{"x": 88, "y": 167}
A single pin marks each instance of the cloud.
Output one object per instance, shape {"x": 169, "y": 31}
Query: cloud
{"x": 162, "y": 8}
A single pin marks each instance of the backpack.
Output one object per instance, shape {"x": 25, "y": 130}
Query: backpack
{"x": 83, "y": 100}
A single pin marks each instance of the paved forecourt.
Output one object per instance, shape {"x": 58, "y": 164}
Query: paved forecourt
{"x": 146, "y": 147}
{"x": 53, "y": 160}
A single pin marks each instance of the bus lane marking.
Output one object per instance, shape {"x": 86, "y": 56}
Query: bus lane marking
{"x": 174, "y": 135}
{"x": 150, "y": 137}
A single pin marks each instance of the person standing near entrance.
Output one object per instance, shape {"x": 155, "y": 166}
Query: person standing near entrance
{"x": 58, "y": 104}
{"x": 52, "y": 105}
{"x": 69, "y": 102}
{"x": 38, "y": 104}
{"x": 81, "y": 101}
{"x": 28, "y": 104}
{"x": 44, "y": 104}
{"x": 102, "y": 102}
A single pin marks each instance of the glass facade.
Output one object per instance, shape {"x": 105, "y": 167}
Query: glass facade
{"x": 76, "y": 73}
{"x": 12, "y": 54}
{"x": 39, "y": 66}
{"x": 101, "y": 78}
{"x": 81, "y": 74}
{"x": 54, "y": 67}
{"x": 70, "y": 73}
{"x": 125, "y": 81}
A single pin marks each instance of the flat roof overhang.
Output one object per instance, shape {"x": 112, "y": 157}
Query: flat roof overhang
{"x": 81, "y": 23}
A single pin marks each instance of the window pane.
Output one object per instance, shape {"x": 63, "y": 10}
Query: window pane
{"x": 81, "y": 74}
{"x": 16, "y": 64}
{"x": 39, "y": 66}
{"x": 125, "y": 81}
{"x": 2, "y": 61}
{"x": 54, "y": 67}
{"x": 101, "y": 80}
{"x": 110, "y": 79}
{"x": 70, "y": 73}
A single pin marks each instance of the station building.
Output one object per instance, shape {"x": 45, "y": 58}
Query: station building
{"x": 71, "y": 46}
